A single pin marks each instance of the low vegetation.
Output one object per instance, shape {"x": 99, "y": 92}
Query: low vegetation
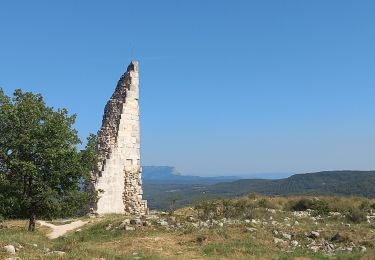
{"x": 250, "y": 227}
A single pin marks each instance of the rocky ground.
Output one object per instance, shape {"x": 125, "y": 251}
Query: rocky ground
{"x": 271, "y": 231}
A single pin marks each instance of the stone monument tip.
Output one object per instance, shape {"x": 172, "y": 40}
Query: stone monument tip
{"x": 133, "y": 66}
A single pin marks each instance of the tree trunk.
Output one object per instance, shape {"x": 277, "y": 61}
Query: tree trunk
{"x": 32, "y": 223}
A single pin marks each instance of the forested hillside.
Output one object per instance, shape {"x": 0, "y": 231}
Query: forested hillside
{"x": 347, "y": 183}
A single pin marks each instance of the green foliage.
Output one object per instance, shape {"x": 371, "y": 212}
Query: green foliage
{"x": 224, "y": 208}
{"x": 41, "y": 170}
{"x": 266, "y": 203}
{"x": 355, "y": 215}
{"x": 207, "y": 209}
{"x": 319, "y": 206}
{"x": 365, "y": 205}
{"x": 252, "y": 196}
{"x": 172, "y": 205}
{"x": 299, "y": 205}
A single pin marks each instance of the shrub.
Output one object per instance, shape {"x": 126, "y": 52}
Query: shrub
{"x": 355, "y": 215}
{"x": 365, "y": 205}
{"x": 252, "y": 196}
{"x": 266, "y": 203}
{"x": 225, "y": 208}
{"x": 320, "y": 207}
{"x": 299, "y": 205}
{"x": 206, "y": 209}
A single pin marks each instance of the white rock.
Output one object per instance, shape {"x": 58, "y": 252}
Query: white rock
{"x": 313, "y": 234}
{"x": 136, "y": 221}
{"x": 294, "y": 243}
{"x": 59, "y": 253}
{"x": 278, "y": 241}
{"x": 10, "y": 249}
{"x": 163, "y": 223}
{"x": 287, "y": 236}
{"x": 109, "y": 227}
{"x": 126, "y": 221}
{"x": 202, "y": 224}
{"x": 301, "y": 214}
{"x": 128, "y": 228}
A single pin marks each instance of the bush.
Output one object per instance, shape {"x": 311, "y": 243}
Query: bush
{"x": 355, "y": 215}
{"x": 225, "y": 208}
{"x": 299, "y": 205}
{"x": 252, "y": 196}
{"x": 320, "y": 207}
{"x": 365, "y": 205}
{"x": 266, "y": 203}
{"x": 206, "y": 209}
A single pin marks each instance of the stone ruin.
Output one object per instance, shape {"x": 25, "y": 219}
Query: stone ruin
{"x": 118, "y": 177}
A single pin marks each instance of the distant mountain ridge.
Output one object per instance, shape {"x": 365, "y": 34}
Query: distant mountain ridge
{"x": 170, "y": 175}
{"x": 356, "y": 183}
{"x": 346, "y": 183}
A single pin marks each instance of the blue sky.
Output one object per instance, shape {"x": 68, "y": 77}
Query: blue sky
{"x": 227, "y": 87}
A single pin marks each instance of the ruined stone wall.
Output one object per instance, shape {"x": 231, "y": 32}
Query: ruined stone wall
{"x": 119, "y": 169}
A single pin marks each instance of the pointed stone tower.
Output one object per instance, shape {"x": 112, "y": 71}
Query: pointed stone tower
{"x": 118, "y": 178}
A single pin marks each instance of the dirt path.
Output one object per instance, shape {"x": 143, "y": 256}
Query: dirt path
{"x": 60, "y": 230}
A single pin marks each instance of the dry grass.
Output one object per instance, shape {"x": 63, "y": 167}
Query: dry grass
{"x": 233, "y": 241}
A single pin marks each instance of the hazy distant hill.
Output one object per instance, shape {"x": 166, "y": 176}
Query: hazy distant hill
{"x": 361, "y": 183}
{"x": 169, "y": 175}
{"x": 356, "y": 183}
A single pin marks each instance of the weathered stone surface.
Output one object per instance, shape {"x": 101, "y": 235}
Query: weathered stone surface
{"x": 10, "y": 249}
{"x": 119, "y": 170}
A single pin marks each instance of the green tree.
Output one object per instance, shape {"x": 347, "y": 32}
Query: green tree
{"x": 42, "y": 173}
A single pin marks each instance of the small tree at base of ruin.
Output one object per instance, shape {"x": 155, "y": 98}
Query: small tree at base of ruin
{"x": 42, "y": 173}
